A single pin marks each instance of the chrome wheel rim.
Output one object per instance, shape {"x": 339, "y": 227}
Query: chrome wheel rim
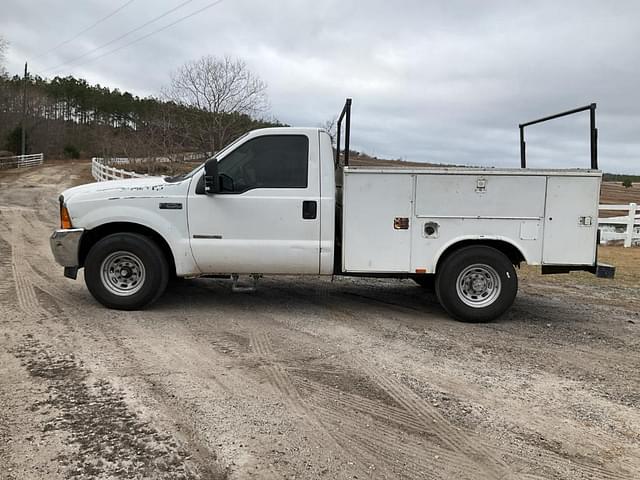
{"x": 122, "y": 273}
{"x": 478, "y": 285}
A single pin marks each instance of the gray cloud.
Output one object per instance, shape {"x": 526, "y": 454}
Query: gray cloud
{"x": 440, "y": 82}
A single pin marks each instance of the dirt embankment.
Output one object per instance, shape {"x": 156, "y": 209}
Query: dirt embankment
{"x": 613, "y": 193}
{"x": 307, "y": 377}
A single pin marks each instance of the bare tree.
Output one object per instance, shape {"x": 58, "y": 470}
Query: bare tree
{"x": 330, "y": 126}
{"x": 221, "y": 91}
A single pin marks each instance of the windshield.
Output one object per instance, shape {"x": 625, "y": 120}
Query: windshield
{"x": 184, "y": 176}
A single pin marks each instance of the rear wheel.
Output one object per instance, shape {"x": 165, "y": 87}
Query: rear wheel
{"x": 476, "y": 284}
{"x": 126, "y": 271}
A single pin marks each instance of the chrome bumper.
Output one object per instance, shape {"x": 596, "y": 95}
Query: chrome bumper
{"x": 65, "y": 246}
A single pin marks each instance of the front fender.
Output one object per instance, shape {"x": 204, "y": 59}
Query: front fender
{"x": 170, "y": 224}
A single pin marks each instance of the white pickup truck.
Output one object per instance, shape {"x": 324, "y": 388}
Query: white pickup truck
{"x": 280, "y": 201}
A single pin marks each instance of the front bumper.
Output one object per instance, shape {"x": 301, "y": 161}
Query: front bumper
{"x": 65, "y": 246}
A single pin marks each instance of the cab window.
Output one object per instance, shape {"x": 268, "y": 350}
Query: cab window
{"x": 271, "y": 161}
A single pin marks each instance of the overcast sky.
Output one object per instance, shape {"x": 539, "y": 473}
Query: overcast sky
{"x": 445, "y": 81}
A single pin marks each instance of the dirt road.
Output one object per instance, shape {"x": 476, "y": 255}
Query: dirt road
{"x": 305, "y": 378}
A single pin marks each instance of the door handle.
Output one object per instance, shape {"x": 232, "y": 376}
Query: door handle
{"x": 309, "y": 209}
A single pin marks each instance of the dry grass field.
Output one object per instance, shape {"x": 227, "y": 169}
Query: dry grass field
{"x": 624, "y": 289}
{"x": 613, "y": 193}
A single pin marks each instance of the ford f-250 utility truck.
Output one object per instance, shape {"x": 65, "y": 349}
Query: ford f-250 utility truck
{"x": 281, "y": 201}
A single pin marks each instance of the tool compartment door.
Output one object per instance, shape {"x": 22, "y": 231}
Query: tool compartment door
{"x": 571, "y": 220}
{"x": 371, "y": 241}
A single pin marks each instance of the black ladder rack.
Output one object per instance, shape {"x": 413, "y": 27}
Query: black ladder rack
{"x": 592, "y": 126}
{"x": 346, "y": 112}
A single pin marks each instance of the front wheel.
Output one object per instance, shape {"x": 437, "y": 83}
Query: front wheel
{"x": 476, "y": 284}
{"x": 126, "y": 271}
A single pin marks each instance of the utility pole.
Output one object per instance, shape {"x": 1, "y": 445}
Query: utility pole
{"x": 24, "y": 112}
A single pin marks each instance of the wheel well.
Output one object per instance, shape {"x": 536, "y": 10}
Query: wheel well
{"x": 511, "y": 251}
{"x": 91, "y": 237}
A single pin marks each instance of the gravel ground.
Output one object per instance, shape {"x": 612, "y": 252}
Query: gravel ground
{"x": 304, "y": 378}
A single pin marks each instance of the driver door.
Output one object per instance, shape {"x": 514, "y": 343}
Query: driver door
{"x": 266, "y": 219}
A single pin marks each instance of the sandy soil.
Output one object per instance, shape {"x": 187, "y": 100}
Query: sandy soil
{"x": 305, "y": 378}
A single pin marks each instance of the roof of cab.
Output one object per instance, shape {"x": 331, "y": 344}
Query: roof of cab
{"x": 285, "y": 130}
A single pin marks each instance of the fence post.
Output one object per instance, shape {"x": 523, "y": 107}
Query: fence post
{"x": 631, "y": 221}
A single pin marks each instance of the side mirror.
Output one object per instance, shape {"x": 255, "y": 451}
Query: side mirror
{"x": 211, "y": 177}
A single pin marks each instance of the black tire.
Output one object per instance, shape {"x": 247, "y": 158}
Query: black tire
{"x": 487, "y": 288}
{"x": 428, "y": 282}
{"x": 138, "y": 275}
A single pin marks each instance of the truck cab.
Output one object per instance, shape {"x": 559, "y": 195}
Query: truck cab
{"x": 272, "y": 209}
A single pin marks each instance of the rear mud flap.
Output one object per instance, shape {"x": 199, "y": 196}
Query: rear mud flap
{"x": 604, "y": 270}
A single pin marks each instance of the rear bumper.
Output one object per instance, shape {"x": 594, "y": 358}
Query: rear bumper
{"x": 601, "y": 270}
{"x": 65, "y": 246}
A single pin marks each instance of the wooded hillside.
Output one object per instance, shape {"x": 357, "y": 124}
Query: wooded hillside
{"x": 68, "y": 117}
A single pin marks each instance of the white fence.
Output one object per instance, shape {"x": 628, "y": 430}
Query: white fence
{"x": 101, "y": 171}
{"x": 176, "y": 157}
{"x": 625, "y": 228}
{"x": 21, "y": 161}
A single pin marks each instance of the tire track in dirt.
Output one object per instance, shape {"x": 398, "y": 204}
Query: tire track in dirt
{"x": 375, "y": 409}
{"x": 347, "y": 403}
{"x": 26, "y": 276}
{"x": 25, "y": 293}
{"x": 431, "y": 416}
{"x": 593, "y": 471}
{"x": 380, "y": 442}
{"x": 495, "y": 469}
{"x": 545, "y": 456}
{"x": 279, "y": 379}
{"x": 27, "y": 279}
{"x": 61, "y": 297}
{"x": 182, "y": 361}
{"x": 387, "y": 440}
{"x": 587, "y": 470}
{"x": 7, "y": 289}
{"x": 465, "y": 444}
{"x": 404, "y": 468}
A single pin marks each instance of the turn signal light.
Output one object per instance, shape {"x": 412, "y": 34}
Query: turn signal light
{"x": 65, "y": 218}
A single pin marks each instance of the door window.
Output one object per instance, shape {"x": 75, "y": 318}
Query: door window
{"x": 271, "y": 161}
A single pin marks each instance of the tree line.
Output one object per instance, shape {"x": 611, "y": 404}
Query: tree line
{"x": 208, "y": 103}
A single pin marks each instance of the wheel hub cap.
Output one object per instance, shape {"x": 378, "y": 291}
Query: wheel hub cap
{"x": 122, "y": 273}
{"x": 478, "y": 285}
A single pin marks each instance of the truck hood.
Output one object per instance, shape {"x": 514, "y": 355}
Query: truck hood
{"x": 144, "y": 187}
